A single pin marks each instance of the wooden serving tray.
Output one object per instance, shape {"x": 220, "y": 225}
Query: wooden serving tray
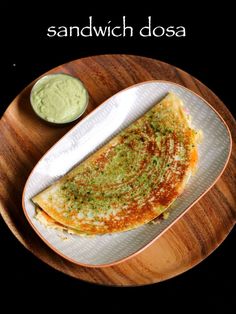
{"x": 24, "y": 138}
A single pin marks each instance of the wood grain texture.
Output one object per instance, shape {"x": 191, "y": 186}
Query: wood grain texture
{"x": 24, "y": 138}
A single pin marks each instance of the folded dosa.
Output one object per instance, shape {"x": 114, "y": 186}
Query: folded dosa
{"x": 131, "y": 180}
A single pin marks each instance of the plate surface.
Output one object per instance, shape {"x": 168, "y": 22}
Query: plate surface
{"x": 93, "y": 132}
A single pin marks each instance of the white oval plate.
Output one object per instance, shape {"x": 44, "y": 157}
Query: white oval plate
{"x": 94, "y": 131}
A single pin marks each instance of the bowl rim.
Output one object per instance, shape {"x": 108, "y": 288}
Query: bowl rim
{"x": 145, "y": 246}
{"x": 55, "y": 74}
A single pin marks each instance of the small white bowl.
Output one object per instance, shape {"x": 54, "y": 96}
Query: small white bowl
{"x": 46, "y": 77}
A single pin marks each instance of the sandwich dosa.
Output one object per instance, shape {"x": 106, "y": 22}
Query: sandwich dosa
{"x": 130, "y": 181}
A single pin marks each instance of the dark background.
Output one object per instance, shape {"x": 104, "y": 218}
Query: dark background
{"x": 206, "y": 53}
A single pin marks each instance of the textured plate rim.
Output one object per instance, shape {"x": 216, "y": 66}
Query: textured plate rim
{"x": 170, "y": 225}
